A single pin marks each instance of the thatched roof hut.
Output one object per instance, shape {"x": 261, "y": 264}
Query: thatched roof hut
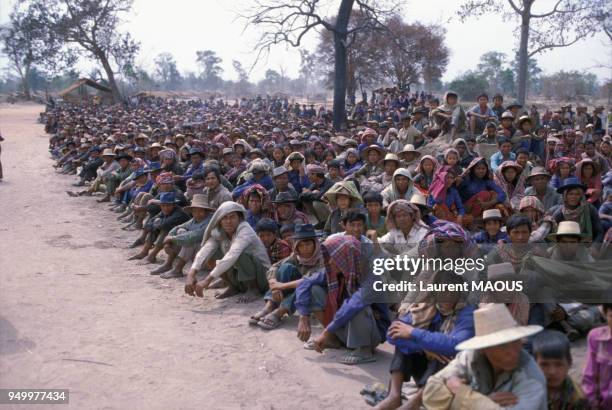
{"x": 86, "y": 90}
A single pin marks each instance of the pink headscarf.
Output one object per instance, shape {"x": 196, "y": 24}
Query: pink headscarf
{"x": 438, "y": 188}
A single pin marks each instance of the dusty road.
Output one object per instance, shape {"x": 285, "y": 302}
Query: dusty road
{"x": 75, "y": 314}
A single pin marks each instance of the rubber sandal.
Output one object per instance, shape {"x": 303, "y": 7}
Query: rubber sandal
{"x": 353, "y": 359}
{"x": 269, "y": 322}
{"x": 253, "y": 320}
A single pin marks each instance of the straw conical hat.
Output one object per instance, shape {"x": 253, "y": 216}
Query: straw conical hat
{"x": 495, "y": 326}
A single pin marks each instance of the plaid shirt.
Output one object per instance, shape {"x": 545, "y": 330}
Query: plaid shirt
{"x": 279, "y": 250}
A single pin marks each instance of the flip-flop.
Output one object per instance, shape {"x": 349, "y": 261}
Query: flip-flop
{"x": 269, "y": 322}
{"x": 253, "y": 320}
{"x": 354, "y": 358}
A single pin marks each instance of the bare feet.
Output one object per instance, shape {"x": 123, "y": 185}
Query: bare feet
{"x": 138, "y": 256}
{"x": 392, "y": 402}
{"x": 226, "y": 293}
{"x": 172, "y": 274}
{"x": 163, "y": 268}
{"x": 248, "y": 297}
{"x": 414, "y": 403}
{"x": 138, "y": 242}
{"x": 151, "y": 259}
{"x": 218, "y": 283}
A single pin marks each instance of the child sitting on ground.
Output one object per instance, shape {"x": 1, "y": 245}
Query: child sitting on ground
{"x": 374, "y": 219}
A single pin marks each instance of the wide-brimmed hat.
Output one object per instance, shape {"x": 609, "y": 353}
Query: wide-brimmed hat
{"x": 156, "y": 145}
{"x": 567, "y": 228}
{"x": 123, "y": 155}
{"x": 372, "y": 147}
{"x": 284, "y": 198}
{"x": 195, "y": 150}
{"x": 538, "y": 171}
{"x": 108, "y": 152}
{"x": 391, "y": 157}
{"x": 419, "y": 200}
{"x": 294, "y": 156}
{"x": 492, "y": 215}
{"x": 278, "y": 171}
{"x": 305, "y": 231}
{"x": 140, "y": 172}
{"x": 408, "y": 148}
{"x": 167, "y": 198}
{"x": 515, "y": 104}
{"x": 495, "y": 326}
{"x": 200, "y": 201}
{"x": 569, "y": 183}
{"x": 507, "y": 114}
{"x": 524, "y": 118}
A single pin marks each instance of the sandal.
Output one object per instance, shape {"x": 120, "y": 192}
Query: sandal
{"x": 354, "y": 358}
{"x": 257, "y": 317}
{"x": 269, "y": 322}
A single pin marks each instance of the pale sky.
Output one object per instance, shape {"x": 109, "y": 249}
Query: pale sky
{"x": 182, "y": 27}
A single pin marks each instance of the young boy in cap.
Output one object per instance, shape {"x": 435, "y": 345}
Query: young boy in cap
{"x": 492, "y": 233}
{"x": 156, "y": 230}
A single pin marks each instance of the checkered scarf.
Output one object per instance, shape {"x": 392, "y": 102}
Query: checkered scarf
{"x": 345, "y": 251}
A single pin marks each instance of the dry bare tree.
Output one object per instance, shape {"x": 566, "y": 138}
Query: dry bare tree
{"x": 288, "y": 21}
{"x": 560, "y": 25}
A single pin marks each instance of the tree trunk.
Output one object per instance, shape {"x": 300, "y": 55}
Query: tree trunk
{"x": 25, "y": 84}
{"x": 110, "y": 75}
{"x": 340, "y": 63}
{"x": 523, "y": 52}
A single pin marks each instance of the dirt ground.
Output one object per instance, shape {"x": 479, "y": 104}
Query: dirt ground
{"x": 75, "y": 314}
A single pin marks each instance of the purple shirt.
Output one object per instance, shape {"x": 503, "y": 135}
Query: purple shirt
{"x": 597, "y": 379}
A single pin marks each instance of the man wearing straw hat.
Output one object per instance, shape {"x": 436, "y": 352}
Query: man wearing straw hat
{"x": 492, "y": 371}
{"x": 183, "y": 241}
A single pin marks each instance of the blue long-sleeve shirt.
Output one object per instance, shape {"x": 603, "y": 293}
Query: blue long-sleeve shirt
{"x": 350, "y": 307}
{"x": 452, "y": 198}
{"x": 298, "y": 182}
{"x": 471, "y": 186}
{"x": 498, "y": 158}
{"x": 266, "y": 182}
{"x": 435, "y": 341}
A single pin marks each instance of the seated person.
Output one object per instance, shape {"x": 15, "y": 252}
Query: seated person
{"x": 335, "y": 296}
{"x": 425, "y": 340}
{"x": 341, "y": 197}
{"x": 159, "y": 226}
{"x": 374, "y": 219}
{"x": 405, "y": 228}
{"x": 278, "y": 249}
{"x": 491, "y": 371}
{"x": 551, "y": 350}
{"x": 424, "y": 173}
{"x": 183, "y": 241}
{"x": 492, "y": 233}
{"x": 285, "y": 276}
{"x": 401, "y": 187}
{"x": 597, "y": 378}
{"x": 444, "y": 199}
{"x": 284, "y": 210}
{"x": 478, "y": 190}
{"x": 575, "y": 207}
{"x": 241, "y": 258}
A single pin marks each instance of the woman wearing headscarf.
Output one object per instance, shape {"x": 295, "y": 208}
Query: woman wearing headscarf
{"x": 255, "y": 200}
{"x": 401, "y": 187}
{"x": 351, "y": 161}
{"x": 286, "y": 275}
{"x": 336, "y": 297}
{"x": 561, "y": 168}
{"x": 576, "y": 208}
{"x": 444, "y": 198}
{"x": 542, "y": 224}
{"x": 587, "y": 172}
{"x": 405, "y": 228}
{"x": 510, "y": 177}
{"x": 424, "y": 173}
{"x": 478, "y": 190}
